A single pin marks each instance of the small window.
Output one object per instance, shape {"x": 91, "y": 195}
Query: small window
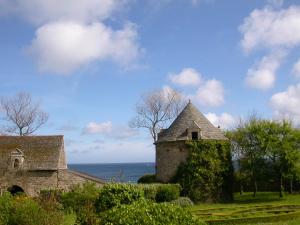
{"x": 16, "y": 163}
{"x": 195, "y": 136}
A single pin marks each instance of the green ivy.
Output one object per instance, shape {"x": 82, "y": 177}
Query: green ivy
{"x": 207, "y": 176}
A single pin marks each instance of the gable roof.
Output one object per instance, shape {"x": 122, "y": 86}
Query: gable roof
{"x": 190, "y": 118}
{"x": 40, "y": 152}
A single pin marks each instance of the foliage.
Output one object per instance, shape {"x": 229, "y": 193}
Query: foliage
{"x": 148, "y": 213}
{"x": 147, "y": 179}
{"x": 267, "y": 149}
{"x": 150, "y": 191}
{"x": 81, "y": 200}
{"x": 183, "y": 202}
{"x": 248, "y": 137}
{"x": 112, "y": 195}
{"x": 208, "y": 174}
{"x": 28, "y": 211}
{"x": 167, "y": 193}
{"x": 22, "y": 210}
{"x": 5, "y": 208}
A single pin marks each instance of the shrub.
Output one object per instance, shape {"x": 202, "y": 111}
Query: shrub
{"x": 50, "y": 199}
{"x": 112, "y": 195}
{"x": 183, "y": 202}
{"x": 148, "y": 213}
{"x": 81, "y": 200}
{"x": 5, "y": 208}
{"x": 167, "y": 193}
{"x": 150, "y": 191}
{"x": 26, "y": 211}
{"x": 147, "y": 179}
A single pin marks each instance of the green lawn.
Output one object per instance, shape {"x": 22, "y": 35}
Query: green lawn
{"x": 266, "y": 207}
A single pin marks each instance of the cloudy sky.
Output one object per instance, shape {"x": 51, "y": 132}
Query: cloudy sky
{"x": 89, "y": 61}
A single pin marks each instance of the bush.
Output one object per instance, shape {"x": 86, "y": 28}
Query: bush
{"x": 82, "y": 200}
{"x": 5, "y": 208}
{"x": 167, "y": 193}
{"x": 147, "y": 179}
{"x": 183, "y": 202}
{"x": 26, "y": 211}
{"x": 148, "y": 213}
{"x": 112, "y": 195}
{"x": 150, "y": 191}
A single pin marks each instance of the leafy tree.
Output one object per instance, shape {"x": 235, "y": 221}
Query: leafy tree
{"x": 281, "y": 142}
{"x": 260, "y": 144}
{"x": 248, "y": 137}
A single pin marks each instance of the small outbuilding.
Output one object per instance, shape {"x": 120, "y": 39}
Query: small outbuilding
{"x": 30, "y": 164}
{"x": 171, "y": 148}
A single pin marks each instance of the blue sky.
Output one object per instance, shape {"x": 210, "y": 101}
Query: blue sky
{"x": 89, "y": 61}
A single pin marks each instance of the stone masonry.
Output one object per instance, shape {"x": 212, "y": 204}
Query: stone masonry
{"x": 171, "y": 148}
{"x": 34, "y": 163}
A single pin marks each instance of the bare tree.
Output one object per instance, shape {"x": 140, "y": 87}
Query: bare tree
{"x": 157, "y": 109}
{"x": 22, "y": 115}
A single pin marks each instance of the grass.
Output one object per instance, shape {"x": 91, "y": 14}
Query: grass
{"x": 266, "y": 208}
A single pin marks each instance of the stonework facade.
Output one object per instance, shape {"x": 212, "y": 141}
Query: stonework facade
{"x": 171, "y": 148}
{"x": 169, "y": 155}
{"x": 31, "y": 164}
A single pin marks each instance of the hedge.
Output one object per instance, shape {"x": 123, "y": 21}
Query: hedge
{"x": 149, "y": 213}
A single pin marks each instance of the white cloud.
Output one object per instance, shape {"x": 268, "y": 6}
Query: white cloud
{"x": 111, "y": 152}
{"x": 211, "y": 93}
{"x": 187, "y": 77}
{"x": 296, "y": 69}
{"x": 72, "y": 34}
{"x": 44, "y": 11}
{"x": 276, "y": 3}
{"x": 286, "y": 104}
{"x": 263, "y": 74}
{"x": 109, "y": 130}
{"x": 271, "y": 28}
{"x": 63, "y": 47}
{"x": 98, "y": 128}
{"x": 225, "y": 120}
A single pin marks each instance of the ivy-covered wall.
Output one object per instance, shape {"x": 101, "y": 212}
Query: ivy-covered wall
{"x": 207, "y": 174}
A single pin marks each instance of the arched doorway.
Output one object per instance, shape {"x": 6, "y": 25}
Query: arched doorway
{"x": 15, "y": 189}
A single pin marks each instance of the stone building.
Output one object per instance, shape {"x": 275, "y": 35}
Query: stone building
{"x": 33, "y": 163}
{"x": 171, "y": 149}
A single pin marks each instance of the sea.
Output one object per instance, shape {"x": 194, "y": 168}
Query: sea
{"x": 117, "y": 172}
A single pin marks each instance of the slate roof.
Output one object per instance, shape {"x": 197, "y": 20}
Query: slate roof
{"x": 40, "y": 152}
{"x": 190, "y": 118}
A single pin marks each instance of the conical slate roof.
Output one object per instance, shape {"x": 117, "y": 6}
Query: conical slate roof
{"x": 189, "y": 118}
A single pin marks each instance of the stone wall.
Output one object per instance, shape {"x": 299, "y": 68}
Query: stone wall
{"x": 169, "y": 155}
{"x": 68, "y": 178}
{"x": 32, "y": 182}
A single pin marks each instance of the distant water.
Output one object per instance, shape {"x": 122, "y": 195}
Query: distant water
{"x": 119, "y": 172}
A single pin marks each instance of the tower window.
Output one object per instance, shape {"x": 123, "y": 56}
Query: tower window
{"x": 195, "y": 136}
{"x": 16, "y": 163}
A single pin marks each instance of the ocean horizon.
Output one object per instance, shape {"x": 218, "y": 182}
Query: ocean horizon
{"x": 117, "y": 172}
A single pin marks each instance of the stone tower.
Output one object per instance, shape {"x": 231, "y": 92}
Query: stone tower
{"x": 171, "y": 149}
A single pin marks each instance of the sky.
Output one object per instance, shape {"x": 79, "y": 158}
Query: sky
{"x": 89, "y": 62}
